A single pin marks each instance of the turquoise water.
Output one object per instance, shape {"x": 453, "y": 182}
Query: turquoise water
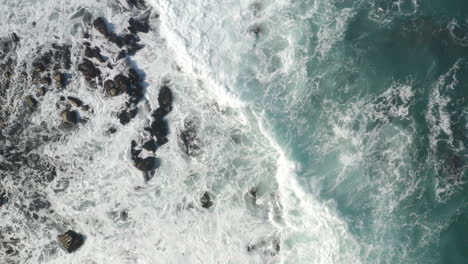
{"x": 370, "y": 98}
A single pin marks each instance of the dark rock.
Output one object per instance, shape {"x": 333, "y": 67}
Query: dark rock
{"x": 62, "y": 98}
{"x": 116, "y": 40}
{"x": 100, "y": 24}
{"x": 42, "y": 91}
{"x": 126, "y": 115}
{"x": 94, "y": 53}
{"x": 139, "y": 25}
{"x": 30, "y": 101}
{"x": 205, "y": 200}
{"x": 134, "y": 76}
{"x": 150, "y": 145}
{"x": 111, "y": 130}
{"x": 70, "y": 117}
{"x": 3, "y": 198}
{"x": 123, "y": 83}
{"x": 85, "y": 108}
{"x": 161, "y": 141}
{"x": 15, "y": 37}
{"x": 165, "y": 100}
{"x": 70, "y": 241}
{"x": 122, "y": 54}
{"x": 62, "y": 55}
{"x": 110, "y": 88}
{"x": 34, "y": 23}
{"x": 159, "y": 127}
{"x": 130, "y": 39}
{"x": 59, "y": 79}
{"x": 88, "y": 69}
{"x": 146, "y": 164}
{"x": 75, "y": 101}
{"x": 133, "y": 151}
{"x": 140, "y": 4}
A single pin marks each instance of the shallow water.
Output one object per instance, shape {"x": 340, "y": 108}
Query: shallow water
{"x": 349, "y": 118}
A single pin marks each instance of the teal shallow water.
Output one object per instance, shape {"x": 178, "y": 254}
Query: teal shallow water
{"x": 370, "y": 98}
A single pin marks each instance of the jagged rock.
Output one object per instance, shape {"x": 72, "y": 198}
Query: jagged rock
{"x": 130, "y": 39}
{"x": 122, "y": 54}
{"x": 161, "y": 141}
{"x": 85, "y": 107}
{"x": 94, "y": 53}
{"x": 205, "y": 200}
{"x": 62, "y": 55}
{"x": 133, "y": 76}
{"x": 42, "y": 91}
{"x": 100, "y": 24}
{"x": 3, "y": 198}
{"x": 110, "y": 88}
{"x": 70, "y": 117}
{"x": 140, "y": 4}
{"x": 126, "y": 115}
{"x": 139, "y": 25}
{"x": 165, "y": 100}
{"x": 159, "y": 127}
{"x": 88, "y": 69}
{"x": 75, "y": 101}
{"x": 70, "y": 241}
{"x": 150, "y": 145}
{"x": 146, "y": 164}
{"x": 117, "y": 40}
{"x": 123, "y": 83}
{"x": 30, "y": 101}
{"x": 59, "y": 79}
{"x": 111, "y": 130}
{"x": 15, "y": 37}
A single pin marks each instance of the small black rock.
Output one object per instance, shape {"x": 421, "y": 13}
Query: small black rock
{"x": 75, "y": 101}
{"x": 140, "y": 25}
{"x": 150, "y": 145}
{"x": 70, "y": 241}
{"x": 100, "y": 24}
{"x": 205, "y": 200}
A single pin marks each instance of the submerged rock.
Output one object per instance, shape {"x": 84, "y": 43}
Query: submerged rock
{"x": 205, "y": 200}
{"x": 189, "y": 136}
{"x": 70, "y": 241}
{"x": 70, "y": 117}
{"x": 146, "y": 164}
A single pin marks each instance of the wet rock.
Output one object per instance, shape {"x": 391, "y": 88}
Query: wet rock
{"x": 139, "y": 25}
{"x": 116, "y": 40}
{"x": 165, "y": 100}
{"x": 123, "y": 83}
{"x": 146, "y": 164}
{"x": 133, "y": 76}
{"x": 111, "y": 130}
{"x": 85, "y": 108}
{"x": 150, "y": 145}
{"x": 100, "y": 24}
{"x": 205, "y": 200}
{"x": 59, "y": 79}
{"x": 62, "y": 55}
{"x": 110, "y": 88}
{"x": 126, "y": 115}
{"x": 161, "y": 141}
{"x": 42, "y": 91}
{"x": 15, "y": 37}
{"x": 70, "y": 241}
{"x": 3, "y": 198}
{"x": 94, "y": 53}
{"x": 30, "y": 101}
{"x": 130, "y": 39}
{"x": 70, "y": 117}
{"x": 75, "y": 101}
{"x": 159, "y": 127}
{"x": 88, "y": 69}
{"x": 140, "y": 4}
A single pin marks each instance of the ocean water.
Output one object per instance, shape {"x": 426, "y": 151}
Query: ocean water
{"x": 348, "y": 119}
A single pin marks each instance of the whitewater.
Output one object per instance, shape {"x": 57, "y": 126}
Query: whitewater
{"x": 326, "y": 132}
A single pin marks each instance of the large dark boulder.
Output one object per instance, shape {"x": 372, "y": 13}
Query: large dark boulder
{"x": 150, "y": 145}
{"x": 165, "y": 100}
{"x": 159, "y": 127}
{"x": 70, "y": 241}
{"x": 88, "y": 69}
{"x": 123, "y": 83}
{"x": 100, "y": 24}
{"x": 70, "y": 117}
{"x": 146, "y": 164}
{"x": 139, "y": 25}
{"x": 110, "y": 88}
